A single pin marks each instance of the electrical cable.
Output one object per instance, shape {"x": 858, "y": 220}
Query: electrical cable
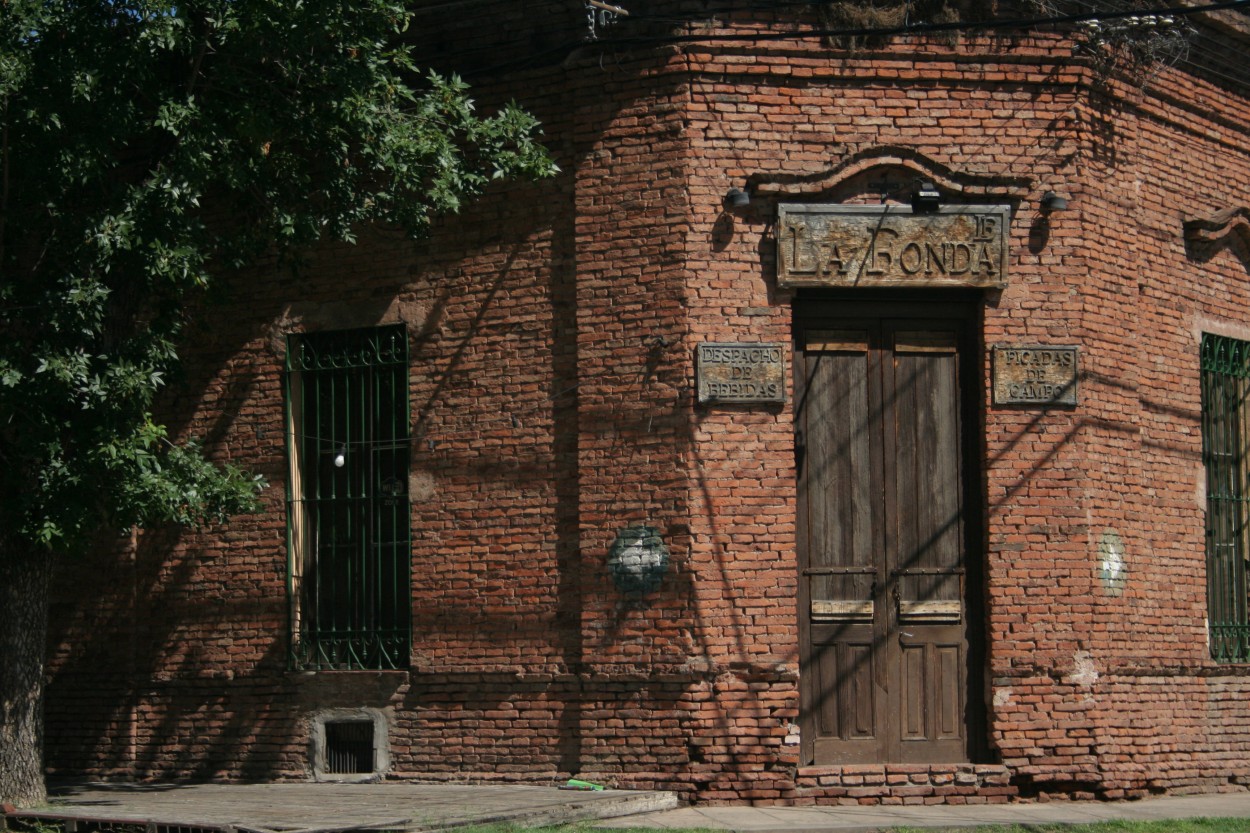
{"x": 1201, "y": 58}
{"x": 923, "y": 28}
{"x": 1215, "y": 56}
{"x": 1027, "y": 24}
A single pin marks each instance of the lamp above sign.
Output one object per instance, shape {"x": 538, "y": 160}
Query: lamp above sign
{"x": 891, "y": 246}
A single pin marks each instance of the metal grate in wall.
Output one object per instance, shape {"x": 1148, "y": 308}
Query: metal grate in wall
{"x": 348, "y": 514}
{"x": 349, "y": 747}
{"x": 1226, "y": 457}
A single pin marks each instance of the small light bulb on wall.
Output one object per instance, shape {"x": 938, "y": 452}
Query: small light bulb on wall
{"x": 340, "y": 458}
{"x": 737, "y": 199}
{"x": 1053, "y": 202}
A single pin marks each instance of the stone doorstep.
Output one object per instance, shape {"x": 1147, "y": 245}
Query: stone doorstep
{"x": 866, "y": 782}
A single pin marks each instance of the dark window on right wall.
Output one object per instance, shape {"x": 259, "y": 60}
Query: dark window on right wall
{"x": 1226, "y": 456}
{"x": 347, "y": 499}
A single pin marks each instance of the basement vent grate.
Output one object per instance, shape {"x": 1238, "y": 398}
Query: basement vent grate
{"x": 349, "y": 747}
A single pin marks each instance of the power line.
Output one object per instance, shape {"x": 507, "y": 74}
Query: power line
{"x": 451, "y": 4}
{"x": 924, "y": 28}
{"x": 559, "y": 52}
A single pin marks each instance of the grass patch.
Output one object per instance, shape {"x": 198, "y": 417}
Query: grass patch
{"x": 1200, "y": 825}
{"x": 1168, "y": 826}
{"x": 1123, "y": 826}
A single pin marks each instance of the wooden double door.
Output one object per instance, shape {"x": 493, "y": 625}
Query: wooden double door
{"x": 889, "y": 532}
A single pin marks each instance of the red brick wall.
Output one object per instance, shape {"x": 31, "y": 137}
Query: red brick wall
{"x": 553, "y": 330}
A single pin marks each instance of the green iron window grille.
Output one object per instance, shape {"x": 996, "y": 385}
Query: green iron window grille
{"x": 1226, "y": 455}
{"x": 348, "y": 528}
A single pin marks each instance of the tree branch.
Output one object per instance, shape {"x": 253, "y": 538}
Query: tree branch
{"x": 196, "y": 64}
{"x": 4, "y": 174}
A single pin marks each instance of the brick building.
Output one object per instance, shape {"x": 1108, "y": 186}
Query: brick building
{"x": 853, "y": 419}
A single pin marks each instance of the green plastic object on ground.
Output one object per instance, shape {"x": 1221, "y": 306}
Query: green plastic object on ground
{"x": 574, "y": 784}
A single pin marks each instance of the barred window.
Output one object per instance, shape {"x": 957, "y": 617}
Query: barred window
{"x": 1226, "y": 455}
{"x": 348, "y": 528}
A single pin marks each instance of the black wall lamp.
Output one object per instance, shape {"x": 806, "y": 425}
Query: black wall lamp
{"x": 1053, "y": 202}
{"x": 926, "y": 199}
{"x": 737, "y": 198}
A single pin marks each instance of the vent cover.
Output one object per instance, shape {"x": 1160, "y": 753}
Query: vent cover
{"x": 349, "y": 747}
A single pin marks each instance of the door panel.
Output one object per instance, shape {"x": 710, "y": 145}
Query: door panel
{"x": 915, "y": 685}
{"x": 949, "y": 708}
{"x": 844, "y": 674}
{"x": 928, "y": 455}
{"x": 842, "y": 517}
{"x": 927, "y": 561}
{"x": 880, "y": 423}
{"x": 840, "y": 447}
{"x": 936, "y": 688}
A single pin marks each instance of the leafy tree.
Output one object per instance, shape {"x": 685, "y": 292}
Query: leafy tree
{"x": 143, "y": 147}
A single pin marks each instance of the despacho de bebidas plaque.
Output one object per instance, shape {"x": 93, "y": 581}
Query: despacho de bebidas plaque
{"x": 741, "y": 372}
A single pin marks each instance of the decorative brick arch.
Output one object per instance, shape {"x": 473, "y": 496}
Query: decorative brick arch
{"x": 1227, "y": 229}
{"x": 907, "y": 163}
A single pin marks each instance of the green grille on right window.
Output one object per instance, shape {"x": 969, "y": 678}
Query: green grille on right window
{"x": 1226, "y": 456}
{"x": 348, "y": 536}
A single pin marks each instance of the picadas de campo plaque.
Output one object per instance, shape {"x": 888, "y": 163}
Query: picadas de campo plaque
{"x": 1034, "y": 375}
{"x": 892, "y": 246}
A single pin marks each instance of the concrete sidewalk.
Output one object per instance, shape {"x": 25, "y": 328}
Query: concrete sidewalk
{"x": 401, "y": 807}
{"x": 306, "y": 807}
{"x": 874, "y": 818}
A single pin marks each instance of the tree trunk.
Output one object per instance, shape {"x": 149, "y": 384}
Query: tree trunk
{"x": 24, "y": 581}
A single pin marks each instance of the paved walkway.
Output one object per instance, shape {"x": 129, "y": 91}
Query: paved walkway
{"x": 865, "y": 819}
{"x": 307, "y": 807}
{"x": 399, "y": 806}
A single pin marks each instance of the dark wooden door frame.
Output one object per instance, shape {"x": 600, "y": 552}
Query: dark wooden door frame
{"x": 966, "y": 309}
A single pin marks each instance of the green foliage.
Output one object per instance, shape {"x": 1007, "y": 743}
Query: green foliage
{"x": 148, "y": 145}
